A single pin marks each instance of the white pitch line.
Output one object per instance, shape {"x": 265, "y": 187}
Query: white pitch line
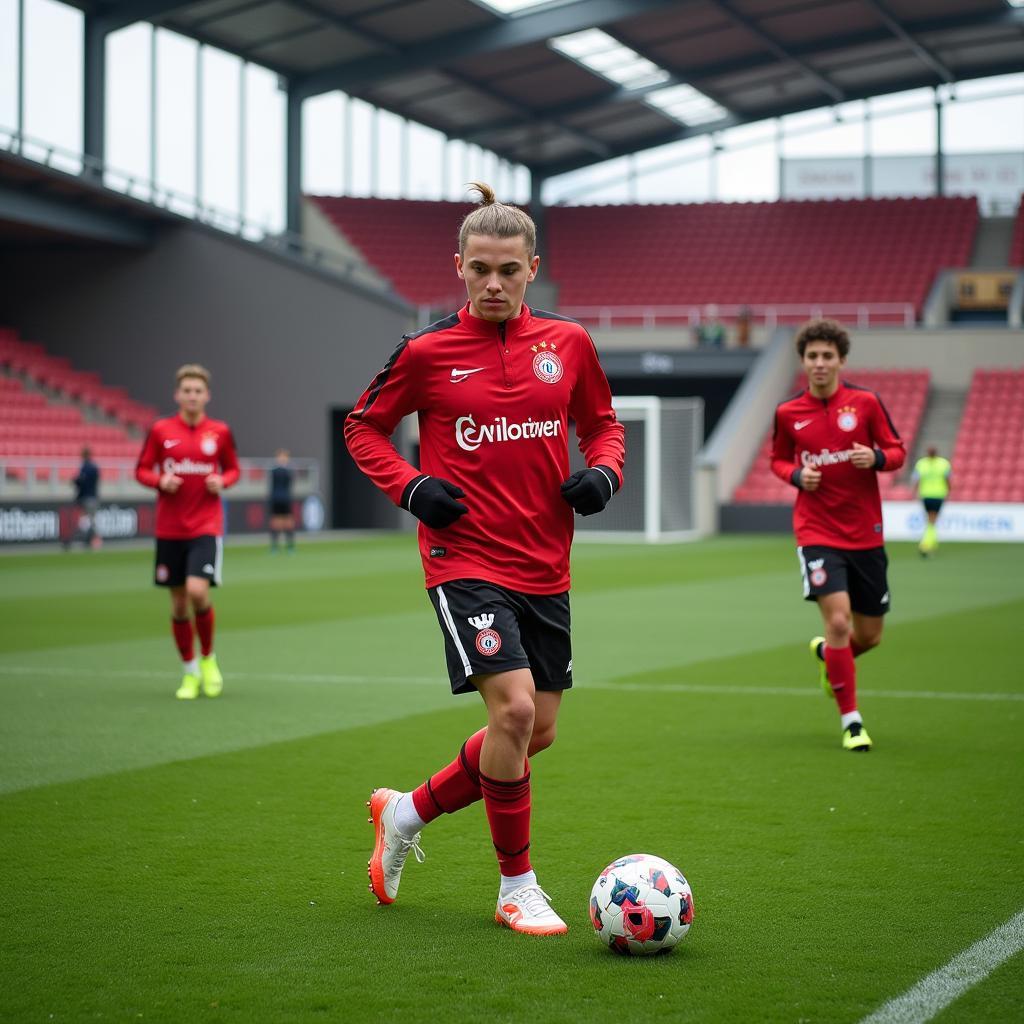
{"x": 354, "y": 680}
{"x": 933, "y": 994}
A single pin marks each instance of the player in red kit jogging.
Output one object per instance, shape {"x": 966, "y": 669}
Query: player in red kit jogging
{"x": 189, "y": 459}
{"x": 495, "y": 387}
{"x": 830, "y": 442}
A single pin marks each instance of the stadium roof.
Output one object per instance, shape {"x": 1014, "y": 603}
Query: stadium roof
{"x": 474, "y": 72}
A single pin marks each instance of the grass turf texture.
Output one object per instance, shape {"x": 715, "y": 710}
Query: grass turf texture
{"x": 170, "y": 860}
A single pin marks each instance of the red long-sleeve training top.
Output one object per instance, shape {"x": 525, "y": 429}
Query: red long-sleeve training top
{"x": 846, "y": 509}
{"x": 494, "y": 401}
{"x": 193, "y": 453}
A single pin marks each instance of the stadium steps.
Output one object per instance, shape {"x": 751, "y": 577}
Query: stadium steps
{"x": 940, "y": 424}
{"x": 992, "y": 243}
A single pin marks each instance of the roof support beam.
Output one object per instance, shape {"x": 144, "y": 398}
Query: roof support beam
{"x": 877, "y": 89}
{"x": 126, "y": 12}
{"x": 829, "y": 88}
{"x": 921, "y": 51}
{"x": 501, "y": 35}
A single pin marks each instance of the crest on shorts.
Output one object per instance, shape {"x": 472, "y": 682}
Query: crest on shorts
{"x": 488, "y": 642}
{"x": 817, "y": 569}
{"x": 546, "y": 365}
{"x": 847, "y": 418}
{"x": 208, "y": 444}
{"x": 162, "y": 574}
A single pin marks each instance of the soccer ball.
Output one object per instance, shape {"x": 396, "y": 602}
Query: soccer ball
{"x": 641, "y": 905}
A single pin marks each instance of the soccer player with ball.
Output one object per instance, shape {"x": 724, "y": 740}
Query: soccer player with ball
{"x": 495, "y": 387}
{"x": 831, "y": 440}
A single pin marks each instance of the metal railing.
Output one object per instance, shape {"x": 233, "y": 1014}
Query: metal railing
{"x": 95, "y": 172}
{"x": 40, "y": 478}
{"x": 769, "y": 315}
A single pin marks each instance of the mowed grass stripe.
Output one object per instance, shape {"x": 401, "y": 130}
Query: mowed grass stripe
{"x": 68, "y": 726}
{"x": 234, "y": 886}
{"x": 723, "y": 690}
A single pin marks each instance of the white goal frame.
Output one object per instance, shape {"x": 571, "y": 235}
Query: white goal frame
{"x": 648, "y": 410}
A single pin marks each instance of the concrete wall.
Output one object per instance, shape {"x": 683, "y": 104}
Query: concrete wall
{"x": 951, "y": 354}
{"x": 284, "y": 344}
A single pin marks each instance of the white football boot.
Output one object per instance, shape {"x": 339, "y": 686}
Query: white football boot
{"x": 390, "y": 847}
{"x": 527, "y": 910}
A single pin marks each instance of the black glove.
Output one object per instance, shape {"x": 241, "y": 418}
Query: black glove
{"x": 432, "y": 500}
{"x": 589, "y": 490}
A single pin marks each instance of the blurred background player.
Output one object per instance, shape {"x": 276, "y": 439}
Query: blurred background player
{"x": 494, "y": 386}
{"x": 830, "y": 442}
{"x": 933, "y": 475}
{"x": 190, "y": 459}
{"x": 282, "y": 519}
{"x": 87, "y": 501}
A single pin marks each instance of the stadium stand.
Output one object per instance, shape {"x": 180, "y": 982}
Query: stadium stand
{"x": 1017, "y": 243}
{"x": 837, "y": 251}
{"x": 28, "y": 359}
{"x": 988, "y": 459}
{"x": 59, "y": 417}
{"x": 408, "y": 241}
{"x": 904, "y": 392}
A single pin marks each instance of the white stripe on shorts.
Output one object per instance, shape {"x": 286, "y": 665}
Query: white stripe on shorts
{"x": 218, "y": 561}
{"x": 446, "y": 614}
{"x": 803, "y": 571}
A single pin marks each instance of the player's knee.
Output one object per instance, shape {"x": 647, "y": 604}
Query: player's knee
{"x": 198, "y": 594}
{"x": 839, "y": 625}
{"x": 542, "y": 738}
{"x": 869, "y": 641}
{"x": 516, "y": 717}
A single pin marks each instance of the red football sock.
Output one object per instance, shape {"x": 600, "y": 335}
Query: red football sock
{"x": 204, "y": 627}
{"x": 455, "y": 786}
{"x": 182, "y": 630}
{"x": 508, "y": 813}
{"x": 842, "y": 674}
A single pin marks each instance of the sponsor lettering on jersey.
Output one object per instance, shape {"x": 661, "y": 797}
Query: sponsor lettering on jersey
{"x": 469, "y": 436}
{"x": 825, "y": 457}
{"x": 186, "y": 467}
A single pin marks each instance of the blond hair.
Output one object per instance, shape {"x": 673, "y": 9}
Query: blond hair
{"x": 498, "y": 219}
{"x": 192, "y": 370}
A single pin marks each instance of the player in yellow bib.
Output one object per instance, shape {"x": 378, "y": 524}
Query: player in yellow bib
{"x": 933, "y": 475}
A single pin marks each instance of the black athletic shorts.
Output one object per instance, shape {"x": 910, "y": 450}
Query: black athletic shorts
{"x": 280, "y": 508}
{"x": 196, "y": 556}
{"x": 490, "y": 629}
{"x": 933, "y": 504}
{"x": 861, "y": 573}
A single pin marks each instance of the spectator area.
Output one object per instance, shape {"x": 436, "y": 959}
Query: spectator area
{"x": 28, "y": 359}
{"x": 408, "y": 241}
{"x": 905, "y": 394}
{"x": 49, "y": 410}
{"x": 838, "y": 251}
{"x": 988, "y": 459}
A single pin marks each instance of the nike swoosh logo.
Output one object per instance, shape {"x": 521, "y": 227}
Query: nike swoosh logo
{"x": 458, "y": 376}
{"x": 171, "y": 444}
{"x": 800, "y": 424}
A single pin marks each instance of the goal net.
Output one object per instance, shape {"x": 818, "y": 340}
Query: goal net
{"x": 658, "y": 502}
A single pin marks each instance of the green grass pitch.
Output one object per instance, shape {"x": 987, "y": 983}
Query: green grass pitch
{"x": 205, "y": 861}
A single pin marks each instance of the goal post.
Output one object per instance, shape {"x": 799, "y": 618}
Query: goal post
{"x": 659, "y": 499}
